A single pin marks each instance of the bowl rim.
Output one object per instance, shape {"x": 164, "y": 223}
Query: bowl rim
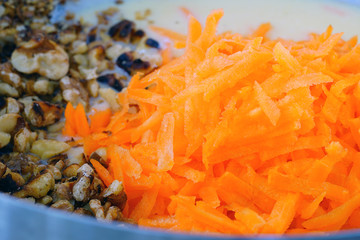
{"x": 72, "y": 220}
{"x": 9, "y": 202}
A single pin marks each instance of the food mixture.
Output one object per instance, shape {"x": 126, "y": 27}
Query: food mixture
{"x": 238, "y": 135}
{"x": 44, "y": 66}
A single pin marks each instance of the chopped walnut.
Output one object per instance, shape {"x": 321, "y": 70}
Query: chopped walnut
{"x": 38, "y": 187}
{"x": 41, "y": 113}
{"x": 71, "y": 171}
{"x": 2, "y": 169}
{"x": 23, "y": 140}
{"x": 62, "y": 191}
{"x": 13, "y": 106}
{"x": 73, "y": 91}
{"x": 110, "y": 97}
{"x": 79, "y": 47}
{"x": 46, "y": 148}
{"x": 42, "y": 86}
{"x": 82, "y": 211}
{"x": 8, "y": 90}
{"x": 45, "y": 200}
{"x": 43, "y": 56}
{"x": 4, "y": 139}
{"x": 63, "y": 205}
{"x": 97, "y": 209}
{"x": 115, "y": 194}
{"x": 82, "y": 188}
{"x": 97, "y": 59}
{"x": 8, "y": 76}
{"x": 75, "y": 156}
{"x": 115, "y": 51}
{"x": 114, "y": 214}
{"x": 56, "y": 172}
{"x": 8, "y": 122}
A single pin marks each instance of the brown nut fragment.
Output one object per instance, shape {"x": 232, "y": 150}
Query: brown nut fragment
{"x": 63, "y": 205}
{"x": 60, "y": 165}
{"x": 67, "y": 37}
{"x": 98, "y": 158}
{"x": 45, "y": 200}
{"x": 97, "y": 187}
{"x": 81, "y": 60}
{"x": 78, "y": 47}
{"x": 62, "y": 191}
{"x": 2, "y": 169}
{"x": 71, "y": 170}
{"x": 43, "y": 56}
{"x": 57, "y": 158}
{"x": 40, "y": 113}
{"x": 93, "y": 87}
{"x": 8, "y": 76}
{"x": 85, "y": 170}
{"x": 82, "y": 211}
{"x": 122, "y": 30}
{"x": 23, "y": 140}
{"x": 88, "y": 73}
{"x": 114, "y": 80}
{"x": 38, "y": 187}
{"x": 19, "y": 180}
{"x": 3, "y": 104}
{"x": 41, "y": 134}
{"x": 48, "y": 148}
{"x": 114, "y": 214}
{"x": 4, "y": 139}
{"x": 75, "y": 156}
{"x": 82, "y": 187}
{"x": 13, "y": 106}
{"x": 96, "y": 56}
{"x": 91, "y": 37}
{"x": 115, "y": 51}
{"x": 56, "y": 172}
{"x": 111, "y": 98}
{"x": 115, "y": 194}
{"x": 8, "y": 122}
{"x": 7, "y": 183}
{"x": 56, "y": 127}
{"x": 73, "y": 91}
{"x": 22, "y": 163}
{"x": 152, "y": 56}
{"x": 106, "y": 206}
{"x": 97, "y": 209}
{"x": 43, "y": 86}
{"x": 30, "y": 200}
{"x": 8, "y": 90}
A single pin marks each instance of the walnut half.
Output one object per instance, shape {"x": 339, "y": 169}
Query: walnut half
{"x": 43, "y": 56}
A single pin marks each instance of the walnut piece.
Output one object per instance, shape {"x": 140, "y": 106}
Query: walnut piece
{"x": 38, "y": 187}
{"x": 48, "y": 148}
{"x": 43, "y": 56}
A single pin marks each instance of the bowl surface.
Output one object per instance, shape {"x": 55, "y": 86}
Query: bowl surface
{"x": 22, "y": 220}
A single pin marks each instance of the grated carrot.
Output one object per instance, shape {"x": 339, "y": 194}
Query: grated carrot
{"x": 103, "y": 172}
{"x": 238, "y": 135}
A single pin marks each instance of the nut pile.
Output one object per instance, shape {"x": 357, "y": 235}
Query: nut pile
{"x": 43, "y": 66}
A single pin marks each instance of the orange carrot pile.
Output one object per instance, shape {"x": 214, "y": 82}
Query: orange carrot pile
{"x": 239, "y": 135}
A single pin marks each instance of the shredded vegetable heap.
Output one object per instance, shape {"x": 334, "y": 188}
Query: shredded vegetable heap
{"x": 239, "y": 135}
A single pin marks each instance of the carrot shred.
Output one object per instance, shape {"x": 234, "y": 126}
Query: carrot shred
{"x": 168, "y": 33}
{"x": 99, "y": 120}
{"x": 70, "y": 127}
{"x": 186, "y": 11}
{"x": 103, "y": 172}
{"x": 81, "y": 122}
{"x": 240, "y": 134}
